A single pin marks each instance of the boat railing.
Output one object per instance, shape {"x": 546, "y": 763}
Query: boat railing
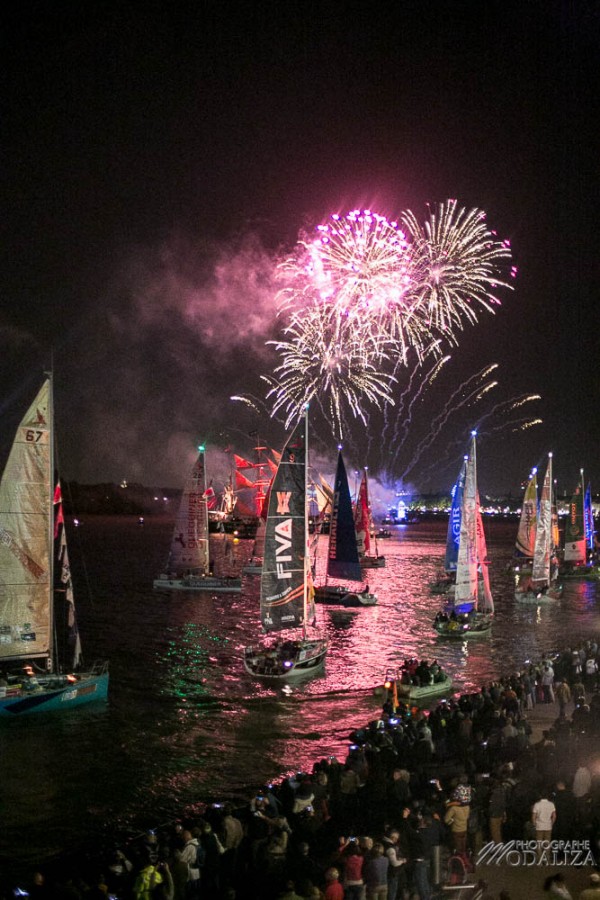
{"x": 99, "y": 667}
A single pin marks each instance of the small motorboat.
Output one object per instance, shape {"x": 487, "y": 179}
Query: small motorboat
{"x": 407, "y": 684}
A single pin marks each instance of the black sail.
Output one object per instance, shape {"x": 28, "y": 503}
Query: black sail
{"x": 282, "y": 591}
{"x": 343, "y": 561}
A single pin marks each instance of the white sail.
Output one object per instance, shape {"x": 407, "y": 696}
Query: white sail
{"x": 189, "y": 547}
{"x": 543, "y": 543}
{"x": 528, "y": 522}
{"x": 472, "y": 602}
{"x": 26, "y": 537}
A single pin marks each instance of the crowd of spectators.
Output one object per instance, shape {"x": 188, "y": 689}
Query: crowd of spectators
{"x": 418, "y": 796}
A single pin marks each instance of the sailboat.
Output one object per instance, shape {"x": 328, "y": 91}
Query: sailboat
{"x": 579, "y": 537}
{"x": 364, "y": 526}
{"x": 471, "y": 610}
{"x": 41, "y": 661}
{"x": 342, "y": 558}
{"x": 260, "y": 488}
{"x": 541, "y": 584}
{"x": 445, "y": 584}
{"x": 189, "y": 561}
{"x": 286, "y": 590}
{"x": 528, "y": 522}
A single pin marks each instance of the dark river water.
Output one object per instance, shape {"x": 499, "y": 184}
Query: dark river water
{"x": 184, "y": 723}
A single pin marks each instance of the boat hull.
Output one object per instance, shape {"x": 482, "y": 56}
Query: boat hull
{"x": 548, "y": 596}
{"x": 423, "y": 691}
{"x": 372, "y": 562}
{"x": 341, "y": 596}
{"x": 580, "y": 573}
{"x": 208, "y": 583}
{"x": 274, "y": 664}
{"x": 479, "y": 625}
{"x": 56, "y": 694}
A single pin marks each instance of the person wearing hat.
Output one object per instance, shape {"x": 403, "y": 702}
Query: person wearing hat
{"x": 457, "y": 818}
{"x": 593, "y": 891}
{"x": 147, "y": 880}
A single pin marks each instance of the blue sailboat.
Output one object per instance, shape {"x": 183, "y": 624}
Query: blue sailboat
{"x": 579, "y": 548}
{"x": 446, "y": 582}
{"x": 470, "y": 609}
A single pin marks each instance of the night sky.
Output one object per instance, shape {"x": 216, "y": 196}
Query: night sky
{"x": 158, "y": 156}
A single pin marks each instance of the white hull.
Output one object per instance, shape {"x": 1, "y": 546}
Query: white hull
{"x": 478, "y": 625}
{"x": 199, "y": 583}
{"x": 421, "y": 692}
{"x": 286, "y": 661}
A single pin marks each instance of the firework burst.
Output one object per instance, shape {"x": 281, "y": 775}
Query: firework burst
{"x": 361, "y": 294}
{"x": 357, "y": 267}
{"x": 456, "y": 267}
{"x": 323, "y": 360}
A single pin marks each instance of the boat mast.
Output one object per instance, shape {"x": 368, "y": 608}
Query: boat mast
{"x": 477, "y": 513}
{"x": 306, "y": 546}
{"x": 52, "y": 636}
{"x": 550, "y": 539}
{"x": 204, "y": 513}
{"x": 369, "y": 517}
{"x": 583, "y": 509}
{"x": 554, "y": 539}
{"x": 587, "y": 530}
